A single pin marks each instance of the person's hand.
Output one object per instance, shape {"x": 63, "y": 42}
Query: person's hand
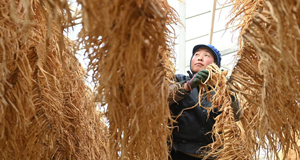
{"x": 197, "y": 78}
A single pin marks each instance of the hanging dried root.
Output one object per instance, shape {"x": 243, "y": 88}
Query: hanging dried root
{"x": 228, "y": 142}
{"x": 46, "y": 109}
{"x": 241, "y": 13}
{"x": 130, "y": 55}
{"x": 266, "y": 77}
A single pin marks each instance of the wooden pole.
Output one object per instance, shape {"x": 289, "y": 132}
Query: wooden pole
{"x": 211, "y": 32}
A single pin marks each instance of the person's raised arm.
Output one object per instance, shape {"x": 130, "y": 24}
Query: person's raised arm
{"x": 179, "y": 90}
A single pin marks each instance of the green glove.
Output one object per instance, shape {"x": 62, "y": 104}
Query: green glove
{"x": 197, "y": 78}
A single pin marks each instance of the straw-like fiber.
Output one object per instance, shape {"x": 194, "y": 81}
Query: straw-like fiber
{"x": 46, "y": 109}
{"x": 291, "y": 154}
{"x": 267, "y": 76}
{"x": 242, "y": 11}
{"x": 228, "y": 137}
{"x": 128, "y": 46}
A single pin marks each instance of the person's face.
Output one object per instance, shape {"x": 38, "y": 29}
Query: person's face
{"x": 201, "y": 59}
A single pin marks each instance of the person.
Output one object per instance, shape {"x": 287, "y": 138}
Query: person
{"x": 191, "y": 131}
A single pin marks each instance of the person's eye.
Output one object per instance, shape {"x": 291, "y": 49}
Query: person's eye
{"x": 206, "y": 55}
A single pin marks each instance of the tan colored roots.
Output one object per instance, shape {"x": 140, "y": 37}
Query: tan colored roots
{"x": 46, "y": 110}
{"x": 228, "y": 140}
{"x": 267, "y": 78}
{"x": 128, "y": 45}
{"x": 242, "y": 13}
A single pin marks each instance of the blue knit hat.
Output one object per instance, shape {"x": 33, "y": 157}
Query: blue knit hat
{"x": 215, "y": 51}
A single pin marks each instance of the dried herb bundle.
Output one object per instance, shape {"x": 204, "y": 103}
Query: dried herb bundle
{"x": 127, "y": 43}
{"x": 266, "y": 76}
{"x": 228, "y": 140}
{"x": 241, "y": 13}
{"x": 46, "y": 110}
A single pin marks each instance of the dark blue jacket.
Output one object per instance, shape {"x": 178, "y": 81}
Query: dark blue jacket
{"x": 193, "y": 127}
